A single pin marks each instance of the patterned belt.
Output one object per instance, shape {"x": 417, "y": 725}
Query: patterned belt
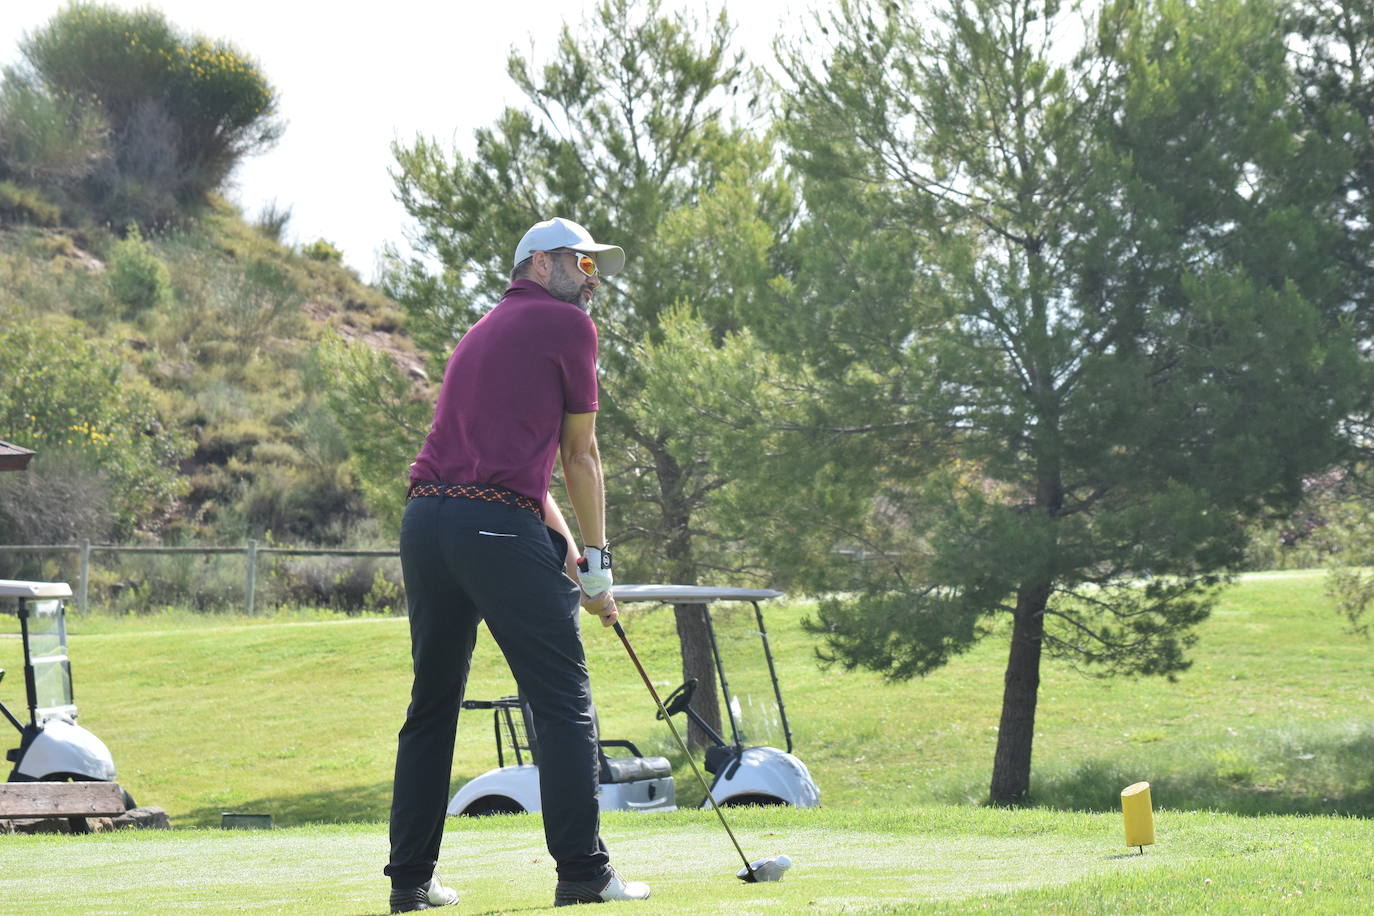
{"x": 481, "y": 491}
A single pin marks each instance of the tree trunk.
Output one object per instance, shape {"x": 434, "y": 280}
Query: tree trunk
{"x": 698, "y": 663}
{"x": 693, "y": 635}
{"x": 1011, "y": 766}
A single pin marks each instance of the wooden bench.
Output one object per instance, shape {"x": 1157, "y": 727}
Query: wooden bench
{"x": 75, "y": 801}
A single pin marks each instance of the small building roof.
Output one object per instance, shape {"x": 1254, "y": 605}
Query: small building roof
{"x": 12, "y": 457}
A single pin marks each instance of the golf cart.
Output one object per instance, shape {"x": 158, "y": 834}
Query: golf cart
{"x": 748, "y": 770}
{"x": 52, "y": 747}
{"x": 636, "y": 782}
{"x": 756, "y": 767}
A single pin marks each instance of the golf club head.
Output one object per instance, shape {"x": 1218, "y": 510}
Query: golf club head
{"x": 765, "y": 869}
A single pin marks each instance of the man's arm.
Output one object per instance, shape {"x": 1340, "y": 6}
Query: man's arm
{"x": 582, "y": 476}
{"x": 586, "y": 491}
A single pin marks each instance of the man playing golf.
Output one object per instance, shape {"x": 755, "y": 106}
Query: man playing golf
{"x": 483, "y": 539}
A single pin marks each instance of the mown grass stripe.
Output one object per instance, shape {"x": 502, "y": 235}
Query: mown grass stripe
{"x": 942, "y": 859}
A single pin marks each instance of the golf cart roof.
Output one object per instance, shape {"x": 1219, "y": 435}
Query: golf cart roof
{"x": 15, "y": 588}
{"x": 691, "y": 594}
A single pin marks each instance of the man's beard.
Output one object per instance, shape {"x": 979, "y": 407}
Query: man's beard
{"x": 567, "y": 289}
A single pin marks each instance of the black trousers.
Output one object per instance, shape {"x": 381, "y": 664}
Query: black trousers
{"x": 466, "y": 560}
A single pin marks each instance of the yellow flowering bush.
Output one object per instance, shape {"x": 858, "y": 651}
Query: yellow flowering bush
{"x": 202, "y": 103}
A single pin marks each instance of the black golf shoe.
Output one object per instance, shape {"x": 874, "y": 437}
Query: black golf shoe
{"x": 424, "y": 897}
{"x": 599, "y": 890}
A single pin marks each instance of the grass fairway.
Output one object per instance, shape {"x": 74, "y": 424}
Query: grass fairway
{"x": 297, "y": 716}
{"x": 942, "y": 859}
{"x": 1259, "y": 758}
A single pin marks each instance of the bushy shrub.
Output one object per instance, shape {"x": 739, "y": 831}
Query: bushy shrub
{"x": 347, "y": 584}
{"x": 145, "y": 583}
{"x": 139, "y": 583}
{"x": 25, "y": 205}
{"x": 144, "y": 178}
{"x": 323, "y": 251}
{"x": 255, "y": 303}
{"x": 387, "y": 594}
{"x": 272, "y": 220}
{"x": 223, "y": 104}
{"x": 63, "y": 394}
{"x": 46, "y": 138}
{"x": 364, "y": 390}
{"x": 295, "y": 503}
{"x": 182, "y": 110}
{"x": 49, "y": 245}
{"x": 138, "y": 278}
{"x": 60, "y": 499}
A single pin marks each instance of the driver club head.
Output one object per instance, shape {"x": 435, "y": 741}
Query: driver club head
{"x": 765, "y": 869}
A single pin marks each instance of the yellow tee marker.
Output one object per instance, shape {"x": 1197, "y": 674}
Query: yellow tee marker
{"x": 1138, "y": 816}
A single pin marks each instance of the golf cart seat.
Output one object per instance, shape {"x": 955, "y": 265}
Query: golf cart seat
{"x": 613, "y": 770}
{"x": 630, "y": 769}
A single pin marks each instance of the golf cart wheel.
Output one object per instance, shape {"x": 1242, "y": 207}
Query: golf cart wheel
{"x": 679, "y": 699}
{"x": 492, "y": 804}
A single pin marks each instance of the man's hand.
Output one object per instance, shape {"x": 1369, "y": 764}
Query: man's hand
{"x": 603, "y": 606}
{"x": 594, "y": 571}
{"x": 594, "y": 576}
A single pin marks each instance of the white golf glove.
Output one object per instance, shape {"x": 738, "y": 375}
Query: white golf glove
{"x": 594, "y": 571}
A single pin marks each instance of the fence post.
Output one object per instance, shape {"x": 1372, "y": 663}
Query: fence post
{"x": 84, "y": 584}
{"x": 252, "y": 576}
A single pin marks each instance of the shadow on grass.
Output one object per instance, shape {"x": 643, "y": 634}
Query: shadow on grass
{"x": 507, "y": 910}
{"x": 1294, "y": 772}
{"x": 337, "y": 806}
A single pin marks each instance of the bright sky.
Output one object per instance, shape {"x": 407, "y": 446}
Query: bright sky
{"x": 352, "y": 77}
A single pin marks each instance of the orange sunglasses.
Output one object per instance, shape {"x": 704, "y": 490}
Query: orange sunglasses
{"x": 585, "y": 262}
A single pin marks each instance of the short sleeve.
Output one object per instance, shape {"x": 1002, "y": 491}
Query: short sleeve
{"x": 579, "y": 367}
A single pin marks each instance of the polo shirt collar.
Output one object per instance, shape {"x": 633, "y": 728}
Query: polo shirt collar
{"x": 526, "y": 286}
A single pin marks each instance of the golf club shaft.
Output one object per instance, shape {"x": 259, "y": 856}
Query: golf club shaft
{"x": 625, "y": 641}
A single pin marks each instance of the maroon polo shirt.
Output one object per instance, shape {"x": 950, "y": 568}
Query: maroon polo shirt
{"x": 509, "y": 382}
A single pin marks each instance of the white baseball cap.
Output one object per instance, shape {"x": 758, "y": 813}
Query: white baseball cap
{"x": 564, "y": 233}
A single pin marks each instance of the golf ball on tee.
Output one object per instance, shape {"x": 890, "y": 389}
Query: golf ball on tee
{"x": 783, "y": 862}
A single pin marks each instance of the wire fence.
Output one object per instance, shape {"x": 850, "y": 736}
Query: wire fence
{"x": 190, "y": 577}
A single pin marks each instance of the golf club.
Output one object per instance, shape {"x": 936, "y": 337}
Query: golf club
{"x": 764, "y": 869}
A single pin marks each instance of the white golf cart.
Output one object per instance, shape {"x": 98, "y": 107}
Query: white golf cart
{"x": 627, "y": 783}
{"x": 52, "y": 747}
{"x": 756, "y": 767}
{"x": 749, "y": 770}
